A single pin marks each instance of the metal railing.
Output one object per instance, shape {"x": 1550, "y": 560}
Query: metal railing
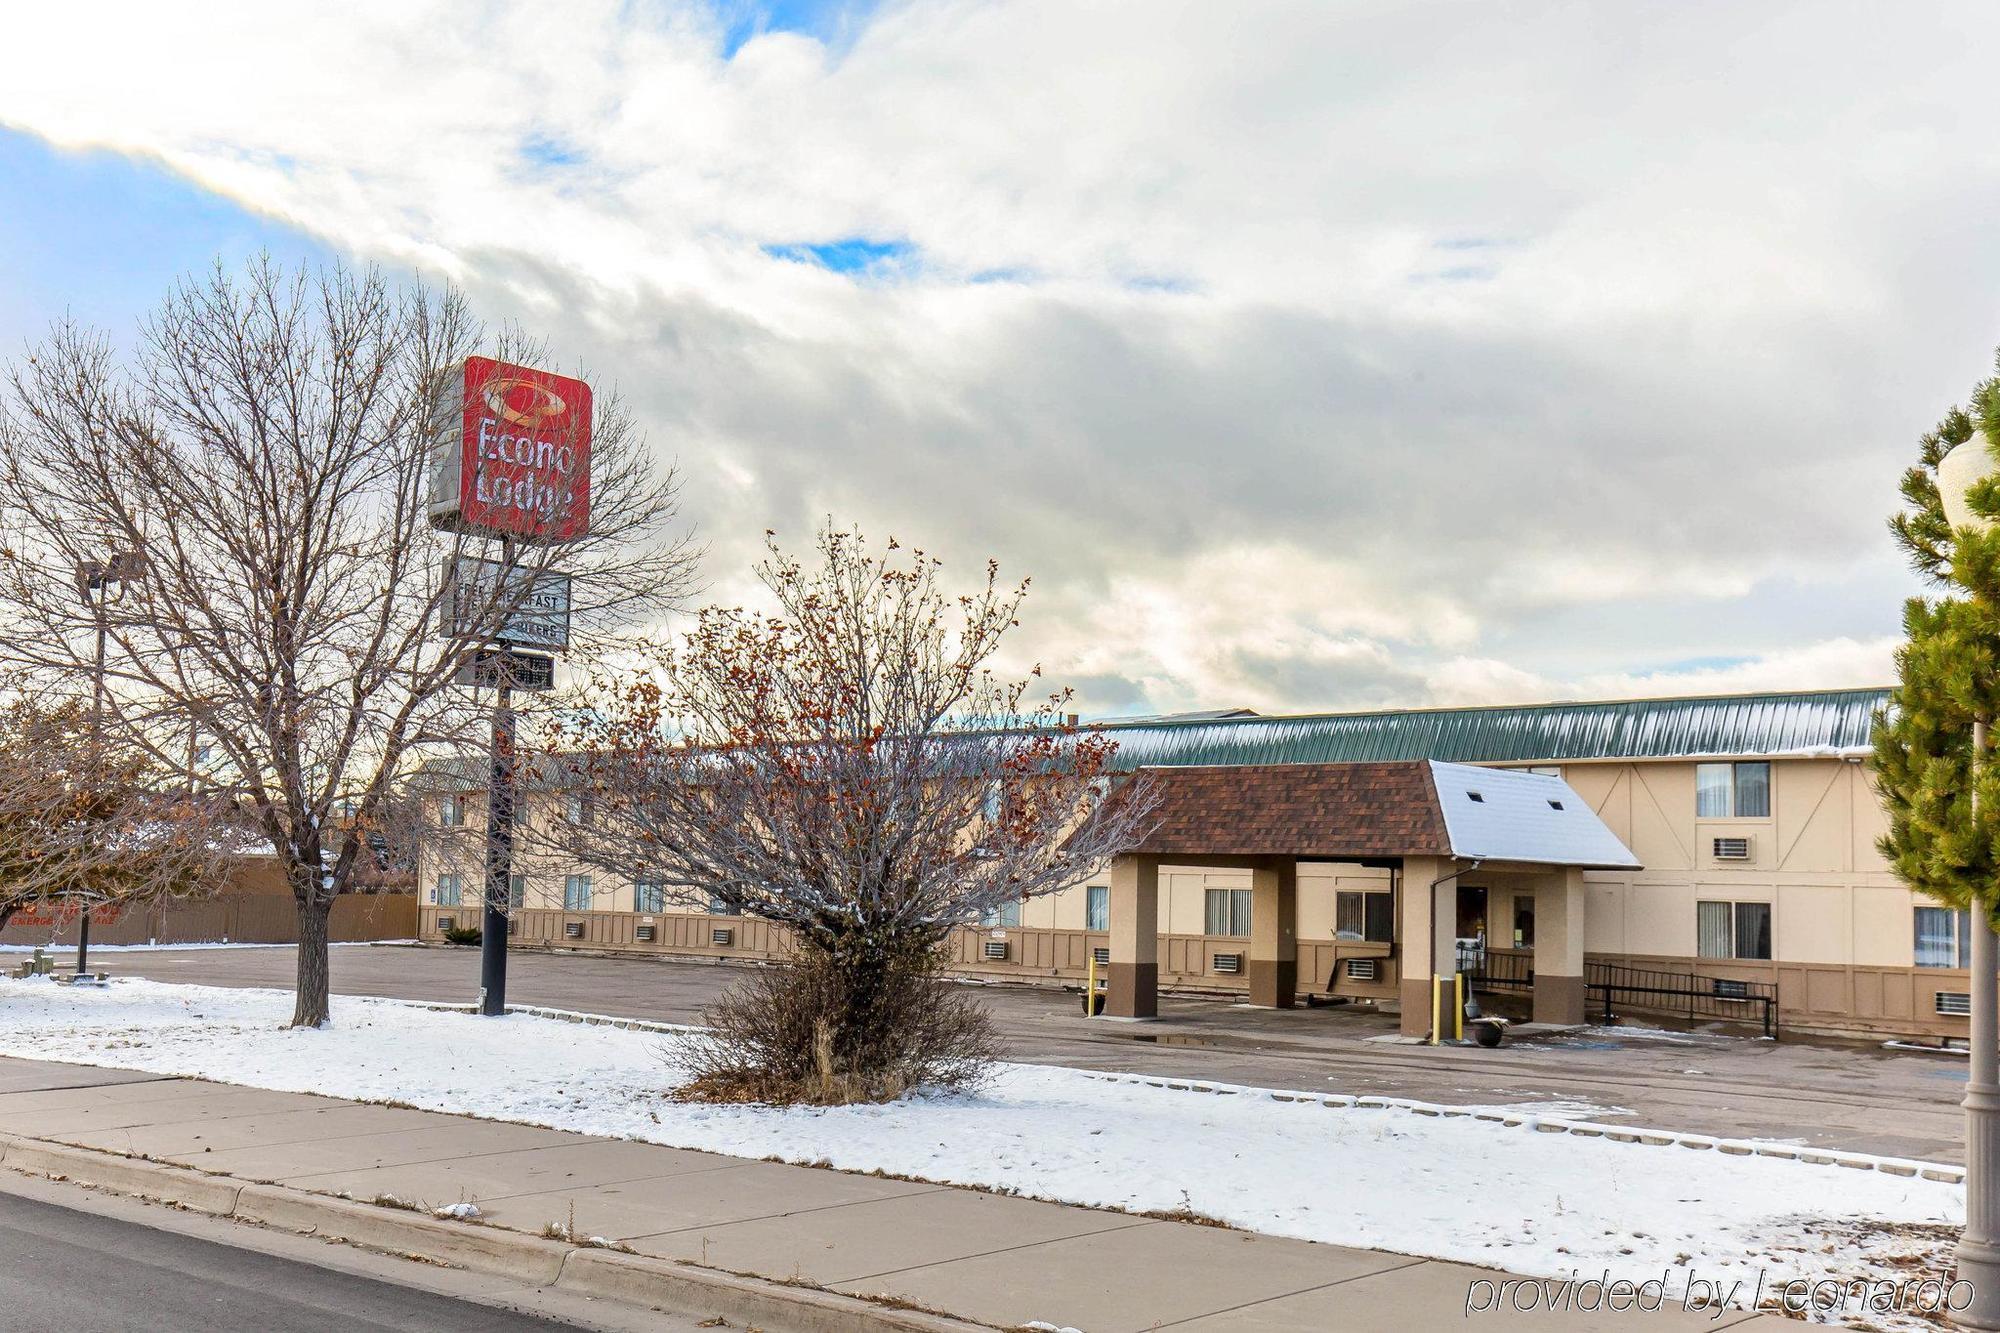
{"x": 1685, "y": 994}
{"x": 1688, "y": 994}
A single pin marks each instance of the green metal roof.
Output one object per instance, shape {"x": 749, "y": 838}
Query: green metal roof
{"x": 1810, "y": 723}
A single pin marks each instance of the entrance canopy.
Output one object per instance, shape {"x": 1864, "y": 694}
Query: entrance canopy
{"x": 1429, "y": 822}
{"x": 1376, "y": 811}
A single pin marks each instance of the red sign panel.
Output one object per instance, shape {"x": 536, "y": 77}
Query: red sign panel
{"x": 522, "y": 466}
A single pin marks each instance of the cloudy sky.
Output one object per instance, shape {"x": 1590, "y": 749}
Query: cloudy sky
{"x": 1308, "y": 355}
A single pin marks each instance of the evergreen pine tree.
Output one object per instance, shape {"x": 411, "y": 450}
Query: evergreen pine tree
{"x": 1948, "y": 677}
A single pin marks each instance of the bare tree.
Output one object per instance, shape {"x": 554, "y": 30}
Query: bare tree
{"x": 85, "y": 825}
{"x": 261, "y": 466}
{"x": 850, "y": 767}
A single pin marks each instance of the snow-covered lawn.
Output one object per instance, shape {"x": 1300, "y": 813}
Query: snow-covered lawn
{"x": 1460, "y": 1188}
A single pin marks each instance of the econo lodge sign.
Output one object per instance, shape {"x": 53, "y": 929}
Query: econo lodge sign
{"x": 521, "y": 465}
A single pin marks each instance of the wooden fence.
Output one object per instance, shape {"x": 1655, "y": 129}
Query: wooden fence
{"x": 235, "y": 918}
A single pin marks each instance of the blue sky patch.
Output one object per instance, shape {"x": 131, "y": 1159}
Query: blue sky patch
{"x": 549, "y": 150}
{"x": 832, "y": 22}
{"x": 852, "y": 254}
{"x": 102, "y": 236}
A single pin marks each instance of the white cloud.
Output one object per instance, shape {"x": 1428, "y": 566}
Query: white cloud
{"x": 1338, "y": 343}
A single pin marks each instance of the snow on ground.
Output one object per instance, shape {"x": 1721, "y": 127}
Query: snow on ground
{"x": 1451, "y": 1187}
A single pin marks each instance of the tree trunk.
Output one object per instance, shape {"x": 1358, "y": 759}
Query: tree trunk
{"x": 312, "y": 1009}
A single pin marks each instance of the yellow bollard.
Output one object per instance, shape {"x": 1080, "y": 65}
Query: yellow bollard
{"x": 1437, "y": 999}
{"x": 1458, "y": 1006}
{"x": 1090, "y": 987}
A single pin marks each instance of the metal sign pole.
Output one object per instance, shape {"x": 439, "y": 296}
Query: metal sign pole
{"x": 499, "y": 837}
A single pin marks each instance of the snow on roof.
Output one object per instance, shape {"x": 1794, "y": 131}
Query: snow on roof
{"x": 1495, "y": 814}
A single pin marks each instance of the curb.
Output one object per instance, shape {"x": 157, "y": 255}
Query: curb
{"x": 583, "y": 1270}
{"x": 1659, "y": 1138}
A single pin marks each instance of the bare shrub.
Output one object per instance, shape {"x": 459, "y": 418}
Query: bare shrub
{"x": 813, "y": 1031}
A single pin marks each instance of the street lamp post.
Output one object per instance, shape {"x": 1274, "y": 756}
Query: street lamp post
{"x": 1979, "y": 1244}
{"x": 95, "y": 579}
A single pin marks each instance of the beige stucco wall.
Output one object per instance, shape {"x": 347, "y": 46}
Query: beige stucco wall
{"x": 1833, "y": 899}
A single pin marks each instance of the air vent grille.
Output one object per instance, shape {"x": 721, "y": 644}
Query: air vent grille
{"x": 447, "y": 923}
{"x": 1954, "y": 1004}
{"x": 572, "y": 930}
{"x": 996, "y": 951}
{"x": 646, "y": 934}
{"x": 1102, "y": 955}
{"x": 1228, "y": 964}
{"x": 1361, "y": 969}
{"x": 1732, "y": 849}
{"x": 722, "y": 936}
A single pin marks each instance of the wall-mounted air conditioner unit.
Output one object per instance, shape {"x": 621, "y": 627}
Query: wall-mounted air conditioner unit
{"x": 572, "y": 930}
{"x": 996, "y": 951}
{"x": 1102, "y": 955}
{"x": 1363, "y": 969}
{"x": 1731, "y": 990}
{"x": 1954, "y": 1004}
{"x": 722, "y": 936}
{"x": 1228, "y": 964}
{"x": 1732, "y": 849}
{"x": 513, "y": 926}
{"x": 646, "y": 934}
{"x": 447, "y": 923}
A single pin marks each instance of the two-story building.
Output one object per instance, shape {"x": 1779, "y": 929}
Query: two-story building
{"x": 1750, "y": 820}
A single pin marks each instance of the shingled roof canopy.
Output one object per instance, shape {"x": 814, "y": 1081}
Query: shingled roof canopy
{"x": 1394, "y": 808}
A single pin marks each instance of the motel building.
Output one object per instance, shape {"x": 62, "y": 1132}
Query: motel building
{"x": 1707, "y": 857}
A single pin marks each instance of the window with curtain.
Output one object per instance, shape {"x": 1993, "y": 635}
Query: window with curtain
{"x": 1007, "y": 914}
{"x": 1732, "y": 930}
{"x": 451, "y": 811}
{"x": 1228, "y": 912}
{"x": 450, "y": 890}
{"x": 1097, "y": 907}
{"x": 1363, "y": 914}
{"x": 649, "y": 894}
{"x": 717, "y": 907}
{"x": 1943, "y": 937}
{"x": 517, "y": 890}
{"x": 577, "y": 807}
{"x": 576, "y": 893}
{"x": 1733, "y": 791}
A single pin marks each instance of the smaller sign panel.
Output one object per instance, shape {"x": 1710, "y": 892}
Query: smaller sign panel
{"x": 539, "y": 602}
{"x": 489, "y": 668}
{"x": 514, "y": 452}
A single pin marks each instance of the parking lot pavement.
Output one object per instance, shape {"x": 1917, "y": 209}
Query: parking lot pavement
{"x": 1850, "y": 1095}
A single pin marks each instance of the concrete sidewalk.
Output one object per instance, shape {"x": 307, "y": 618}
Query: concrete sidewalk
{"x": 981, "y": 1257}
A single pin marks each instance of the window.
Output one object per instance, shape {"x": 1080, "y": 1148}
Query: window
{"x": 577, "y": 807}
{"x": 1944, "y": 937}
{"x": 1362, "y": 915}
{"x": 649, "y": 894}
{"x": 717, "y": 907}
{"x": 1732, "y": 791}
{"x": 576, "y": 893}
{"x": 450, "y": 890}
{"x": 1228, "y": 912}
{"x": 1097, "y": 907}
{"x": 1524, "y": 923}
{"x": 451, "y": 811}
{"x": 1733, "y": 930}
{"x": 1006, "y": 914}
{"x": 517, "y": 891}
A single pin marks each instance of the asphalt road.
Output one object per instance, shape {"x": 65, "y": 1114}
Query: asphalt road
{"x": 1850, "y": 1095}
{"x": 61, "y": 1268}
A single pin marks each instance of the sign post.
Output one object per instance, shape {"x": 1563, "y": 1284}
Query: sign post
{"x": 517, "y": 469}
